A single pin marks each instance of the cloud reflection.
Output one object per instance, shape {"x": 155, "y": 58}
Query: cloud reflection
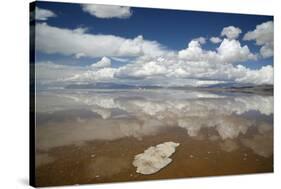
{"x": 135, "y": 113}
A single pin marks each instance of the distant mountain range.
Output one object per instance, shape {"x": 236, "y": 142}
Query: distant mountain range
{"x": 231, "y": 87}
{"x": 241, "y": 88}
{"x": 103, "y": 85}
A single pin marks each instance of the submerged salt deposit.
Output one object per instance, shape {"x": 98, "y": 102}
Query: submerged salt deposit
{"x": 155, "y": 158}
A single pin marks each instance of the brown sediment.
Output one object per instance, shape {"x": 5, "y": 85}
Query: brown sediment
{"x": 103, "y": 161}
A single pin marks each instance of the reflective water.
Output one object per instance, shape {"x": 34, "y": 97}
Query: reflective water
{"x": 92, "y": 136}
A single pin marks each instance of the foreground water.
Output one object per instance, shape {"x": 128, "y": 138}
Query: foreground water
{"x": 92, "y": 136}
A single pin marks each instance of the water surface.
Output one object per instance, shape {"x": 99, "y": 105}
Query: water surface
{"x": 92, "y": 136}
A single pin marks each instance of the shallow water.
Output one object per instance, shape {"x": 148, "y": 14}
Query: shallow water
{"x": 92, "y": 136}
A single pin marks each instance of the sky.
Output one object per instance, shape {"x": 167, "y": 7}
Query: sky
{"x": 90, "y": 43}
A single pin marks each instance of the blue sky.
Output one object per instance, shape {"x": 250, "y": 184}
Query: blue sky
{"x": 171, "y": 29}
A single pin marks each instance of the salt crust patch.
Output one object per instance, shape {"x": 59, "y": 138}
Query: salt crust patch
{"x": 155, "y": 158}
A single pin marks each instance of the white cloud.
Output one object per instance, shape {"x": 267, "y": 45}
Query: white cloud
{"x": 193, "y": 52}
{"x": 107, "y": 11}
{"x": 142, "y": 70}
{"x": 152, "y": 63}
{"x": 263, "y": 35}
{"x": 229, "y": 51}
{"x": 232, "y": 51}
{"x": 192, "y": 66}
{"x": 120, "y": 59}
{"x": 43, "y": 14}
{"x": 266, "y": 51}
{"x": 79, "y": 55}
{"x": 178, "y": 72}
{"x": 201, "y": 40}
{"x": 49, "y": 72}
{"x": 261, "y": 76}
{"x": 231, "y": 32}
{"x": 103, "y": 63}
{"x": 103, "y": 74}
{"x": 78, "y": 43}
{"x": 199, "y": 71}
{"x": 215, "y": 40}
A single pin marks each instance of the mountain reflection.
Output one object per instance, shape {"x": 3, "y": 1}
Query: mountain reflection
{"x": 69, "y": 117}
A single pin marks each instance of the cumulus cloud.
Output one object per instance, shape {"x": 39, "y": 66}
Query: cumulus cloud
{"x": 48, "y": 72}
{"x": 171, "y": 71}
{"x": 192, "y": 52}
{"x": 215, "y": 40}
{"x": 103, "y": 74}
{"x": 263, "y": 35}
{"x": 266, "y": 51}
{"x": 148, "y": 62}
{"x": 229, "y": 51}
{"x": 231, "y": 32}
{"x": 103, "y": 63}
{"x": 107, "y": 11}
{"x": 261, "y": 76}
{"x": 191, "y": 66}
{"x": 232, "y": 51}
{"x": 78, "y": 43}
{"x": 201, "y": 40}
{"x": 43, "y": 14}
